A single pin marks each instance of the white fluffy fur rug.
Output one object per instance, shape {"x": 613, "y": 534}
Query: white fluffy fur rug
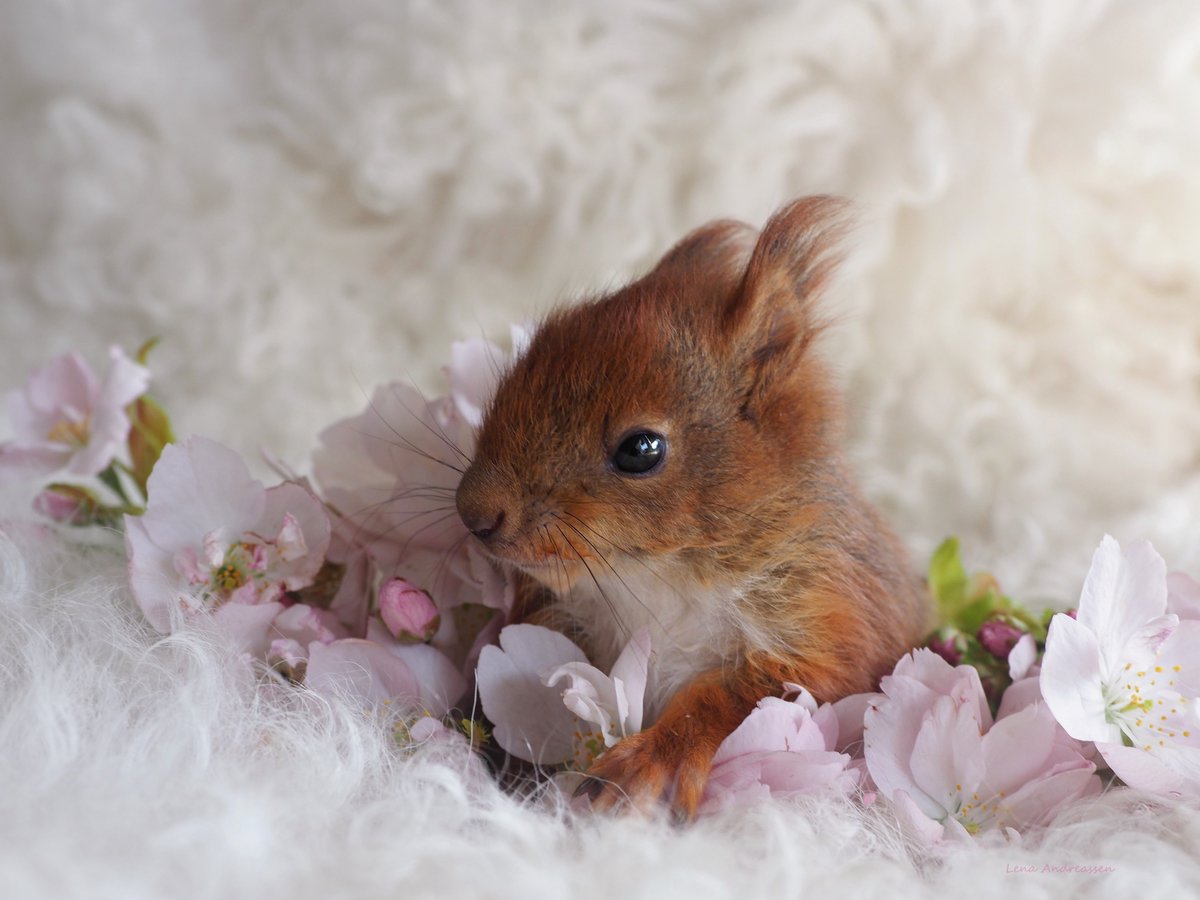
{"x": 305, "y": 198}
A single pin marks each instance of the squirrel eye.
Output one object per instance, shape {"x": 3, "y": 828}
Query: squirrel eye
{"x": 640, "y": 452}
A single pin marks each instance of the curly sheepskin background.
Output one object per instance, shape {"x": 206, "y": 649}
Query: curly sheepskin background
{"x": 306, "y": 198}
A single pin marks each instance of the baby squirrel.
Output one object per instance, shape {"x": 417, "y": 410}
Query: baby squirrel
{"x": 669, "y": 455}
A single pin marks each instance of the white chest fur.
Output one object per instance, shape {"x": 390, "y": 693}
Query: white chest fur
{"x": 693, "y": 627}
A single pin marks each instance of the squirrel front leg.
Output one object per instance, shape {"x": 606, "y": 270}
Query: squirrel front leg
{"x": 670, "y": 761}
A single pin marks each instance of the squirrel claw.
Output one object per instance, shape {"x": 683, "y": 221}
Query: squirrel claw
{"x": 590, "y": 787}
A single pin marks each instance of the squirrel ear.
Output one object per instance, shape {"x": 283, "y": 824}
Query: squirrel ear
{"x": 714, "y": 254}
{"x": 772, "y": 313}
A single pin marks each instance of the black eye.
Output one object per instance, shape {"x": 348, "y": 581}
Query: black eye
{"x": 640, "y": 452}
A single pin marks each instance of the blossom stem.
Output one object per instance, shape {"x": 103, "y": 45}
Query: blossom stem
{"x": 118, "y": 465}
{"x": 112, "y": 480}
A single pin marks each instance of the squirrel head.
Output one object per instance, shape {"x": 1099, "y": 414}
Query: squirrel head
{"x": 683, "y": 416}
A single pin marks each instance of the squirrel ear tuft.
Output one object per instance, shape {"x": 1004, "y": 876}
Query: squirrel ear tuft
{"x": 723, "y": 246}
{"x": 797, "y": 252}
{"x": 771, "y": 318}
{"x": 698, "y": 275}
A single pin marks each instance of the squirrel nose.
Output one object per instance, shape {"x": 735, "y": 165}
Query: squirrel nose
{"x": 482, "y": 504}
{"x": 484, "y": 527}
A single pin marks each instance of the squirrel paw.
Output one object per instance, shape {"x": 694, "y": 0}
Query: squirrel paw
{"x": 647, "y": 769}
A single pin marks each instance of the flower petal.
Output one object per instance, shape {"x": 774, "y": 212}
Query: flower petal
{"x": 937, "y": 674}
{"x": 744, "y": 779}
{"x": 1122, "y": 591}
{"x": 891, "y": 726}
{"x": 26, "y": 462}
{"x": 850, "y": 711}
{"x": 306, "y": 624}
{"x": 1022, "y": 658}
{"x": 286, "y": 508}
{"x": 156, "y": 584}
{"x": 197, "y": 488}
{"x": 247, "y": 625}
{"x": 1179, "y": 658}
{"x": 1038, "y": 801}
{"x": 1016, "y": 748}
{"x": 123, "y": 383}
{"x": 63, "y": 386}
{"x": 440, "y": 685}
{"x": 362, "y": 671}
{"x": 1071, "y": 681}
{"x": 630, "y": 670}
{"x": 1183, "y": 596}
{"x": 379, "y": 469}
{"x": 589, "y": 694}
{"x": 947, "y": 758}
{"x": 778, "y": 725}
{"x": 1141, "y": 770}
{"x": 918, "y": 826}
{"x": 1019, "y": 695}
{"x": 530, "y": 719}
{"x": 474, "y": 372}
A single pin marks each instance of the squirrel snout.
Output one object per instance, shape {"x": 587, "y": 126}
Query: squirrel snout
{"x": 481, "y": 510}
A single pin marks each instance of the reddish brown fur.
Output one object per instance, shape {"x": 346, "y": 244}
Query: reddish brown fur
{"x": 713, "y": 349}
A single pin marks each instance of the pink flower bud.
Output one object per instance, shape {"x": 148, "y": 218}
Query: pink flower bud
{"x": 56, "y": 506}
{"x": 998, "y": 637}
{"x": 408, "y": 612}
{"x": 67, "y": 504}
{"x": 947, "y": 648}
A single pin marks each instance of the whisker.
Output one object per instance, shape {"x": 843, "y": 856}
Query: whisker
{"x": 631, "y": 557}
{"x": 607, "y": 600}
{"x": 418, "y": 512}
{"x": 440, "y": 432}
{"x": 560, "y": 569}
{"x": 602, "y": 558}
{"x": 441, "y": 573}
{"x": 412, "y": 537}
{"x": 405, "y": 441}
{"x": 363, "y": 515}
{"x": 406, "y": 444}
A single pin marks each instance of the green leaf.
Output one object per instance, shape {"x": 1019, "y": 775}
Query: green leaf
{"x": 947, "y": 578}
{"x": 111, "y": 479}
{"x": 975, "y": 613}
{"x": 151, "y": 432}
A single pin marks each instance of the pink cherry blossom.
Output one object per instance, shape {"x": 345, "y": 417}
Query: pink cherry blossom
{"x": 783, "y": 748}
{"x": 390, "y": 474}
{"x": 347, "y": 561}
{"x": 949, "y": 771}
{"x": 67, "y": 419}
{"x": 1124, "y": 673}
{"x": 408, "y": 612}
{"x": 536, "y": 719}
{"x": 213, "y": 536}
{"x": 393, "y": 469}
